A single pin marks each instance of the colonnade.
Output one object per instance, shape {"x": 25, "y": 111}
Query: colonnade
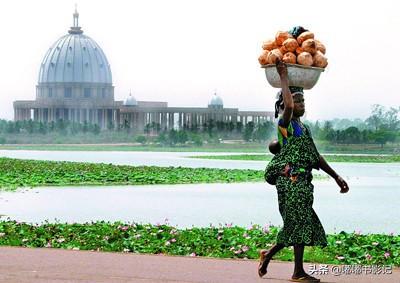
{"x": 101, "y": 117}
{"x": 137, "y": 118}
{"x": 179, "y": 120}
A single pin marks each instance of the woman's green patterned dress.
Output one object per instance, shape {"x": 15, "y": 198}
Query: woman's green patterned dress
{"x": 295, "y": 193}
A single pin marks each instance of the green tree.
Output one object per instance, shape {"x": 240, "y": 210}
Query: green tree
{"x": 263, "y": 131}
{"x": 210, "y": 126}
{"x": 147, "y": 129}
{"x": 51, "y": 127}
{"x": 230, "y": 126}
{"x": 162, "y": 138}
{"x": 85, "y": 127}
{"x": 141, "y": 139}
{"x": 126, "y": 126}
{"x": 376, "y": 119}
{"x": 391, "y": 119}
{"x": 182, "y": 137}
{"x": 61, "y": 126}
{"x": 239, "y": 127}
{"x": 351, "y": 135}
{"x": 42, "y": 128}
{"x": 110, "y": 125}
{"x": 316, "y": 129}
{"x": 383, "y": 136}
{"x": 328, "y": 133}
{"x": 10, "y": 128}
{"x": 248, "y": 131}
{"x": 96, "y": 129}
{"x": 196, "y": 138}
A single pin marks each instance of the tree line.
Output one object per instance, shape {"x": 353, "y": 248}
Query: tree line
{"x": 211, "y": 131}
{"x": 381, "y": 127}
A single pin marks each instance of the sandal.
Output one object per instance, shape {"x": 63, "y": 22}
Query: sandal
{"x": 307, "y": 278}
{"x": 263, "y": 257}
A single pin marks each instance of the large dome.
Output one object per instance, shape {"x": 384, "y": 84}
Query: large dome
{"x": 216, "y": 101}
{"x": 75, "y": 58}
{"x": 130, "y": 101}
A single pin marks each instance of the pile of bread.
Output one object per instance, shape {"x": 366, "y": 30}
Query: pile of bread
{"x": 303, "y": 50}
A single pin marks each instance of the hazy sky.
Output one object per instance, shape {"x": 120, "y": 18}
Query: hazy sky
{"x": 179, "y": 51}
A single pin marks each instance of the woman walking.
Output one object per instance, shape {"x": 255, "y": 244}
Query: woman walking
{"x": 290, "y": 170}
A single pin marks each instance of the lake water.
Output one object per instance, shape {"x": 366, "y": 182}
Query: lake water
{"x": 181, "y": 159}
{"x": 372, "y": 205}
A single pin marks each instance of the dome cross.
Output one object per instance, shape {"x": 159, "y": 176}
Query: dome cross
{"x": 75, "y": 29}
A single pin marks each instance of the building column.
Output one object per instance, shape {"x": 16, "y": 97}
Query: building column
{"x": 169, "y": 121}
{"x": 77, "y": 112}
{"x": 137, "y": 120}
{"x": 143, "y": 120}
{"x": 172, "y": 119}
{"x": 193, "y": 119}
{"x": 163, "y": 122}
{"x": 105, "y": 117}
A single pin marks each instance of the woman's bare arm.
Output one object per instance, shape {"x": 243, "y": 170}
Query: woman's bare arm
{"x": 287, "y": 96}
{"x": 344, "y": 188}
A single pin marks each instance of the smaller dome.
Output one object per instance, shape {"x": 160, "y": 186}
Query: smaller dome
{"x": 130, "y": 101}
{"x": 216, "y": 101}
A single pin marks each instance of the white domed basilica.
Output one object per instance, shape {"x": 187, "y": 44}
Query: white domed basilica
{"x": 75, "y": 84}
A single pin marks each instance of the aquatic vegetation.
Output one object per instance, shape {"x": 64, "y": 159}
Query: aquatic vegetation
{"x": 224, "y": 241}
{"x": 330, "y": 158}
{"x": 31, "y": 173}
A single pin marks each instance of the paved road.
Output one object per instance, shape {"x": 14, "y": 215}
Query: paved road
{"x": 25, "y": 265}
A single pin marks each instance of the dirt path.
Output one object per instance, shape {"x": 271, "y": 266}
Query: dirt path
{"x": 25, "y": 265}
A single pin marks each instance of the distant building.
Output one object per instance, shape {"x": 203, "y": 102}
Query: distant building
{"x": 75, "y": 84}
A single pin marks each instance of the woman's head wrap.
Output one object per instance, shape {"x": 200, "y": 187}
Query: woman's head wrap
{"x": 279, "y": 103}
{"x": 296, "y": 31}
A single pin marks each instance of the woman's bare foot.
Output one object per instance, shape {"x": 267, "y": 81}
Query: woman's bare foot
{"x": 264, "y": 261}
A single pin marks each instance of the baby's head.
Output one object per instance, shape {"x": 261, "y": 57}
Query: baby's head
{"x": 274, "y": 147}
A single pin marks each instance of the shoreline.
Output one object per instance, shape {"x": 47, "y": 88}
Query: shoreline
{"x": 222, "y": 241}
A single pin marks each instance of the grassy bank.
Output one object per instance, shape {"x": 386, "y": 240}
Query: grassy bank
{"x": 31, "y": 173}
{"x": 330, "y": 158}
{"x": 222, "y": 242}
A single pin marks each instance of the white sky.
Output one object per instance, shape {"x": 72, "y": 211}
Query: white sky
{"x": 179, "y": 51}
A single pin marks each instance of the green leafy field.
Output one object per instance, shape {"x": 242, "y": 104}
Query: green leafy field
{"x": 31, "y": 173}
{"x": 329, "y": 158}
{"x": 223, "y": 241}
